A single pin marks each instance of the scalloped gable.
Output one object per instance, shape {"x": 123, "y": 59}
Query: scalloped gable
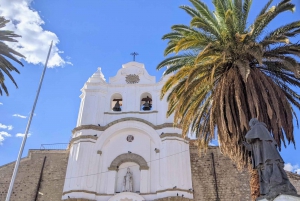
{"x": 132, "y": 73}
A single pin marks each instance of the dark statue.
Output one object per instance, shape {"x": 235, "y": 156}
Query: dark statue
{"x": 267, "y": 160}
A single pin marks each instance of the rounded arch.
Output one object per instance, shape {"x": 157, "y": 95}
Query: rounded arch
{"x": 132, "y": 123}
{"x": 145, "y": 97}
{"x": 129, "y": 157}
{"x": 116, "y": 102}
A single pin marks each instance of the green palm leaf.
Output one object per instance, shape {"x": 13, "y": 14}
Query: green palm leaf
{"x": 226, "y": 73}
{"x": 7, "y": 52}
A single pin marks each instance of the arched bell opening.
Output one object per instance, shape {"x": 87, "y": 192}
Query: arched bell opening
{"x": 146, "y": 102}
{"x": 116, "y": 102}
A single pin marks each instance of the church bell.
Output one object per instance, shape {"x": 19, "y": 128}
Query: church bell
{"x": 146, "y": 106}
{"x": 117, "y": 107}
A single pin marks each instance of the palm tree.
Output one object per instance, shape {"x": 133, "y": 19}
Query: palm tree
{"x": 228, "y": 73}
{"x": 7, "y": 52}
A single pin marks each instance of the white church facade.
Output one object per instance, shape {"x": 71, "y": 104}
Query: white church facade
{"x": 124, "y": 147}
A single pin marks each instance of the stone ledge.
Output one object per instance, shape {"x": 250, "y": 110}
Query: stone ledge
{"x": 78, "y": 199}
{"x": 83, "y": 137}
{"x": 173, "y": 189}
{"x": 33, "y": 151}
{"x": 179, "y": 198}
{"x": 171, "y": 135}
{"x": 85, "y": 191}
{"x": 131, "y": 112}
{"x": 128, "y": 157}
{"x": 103, "y": 128}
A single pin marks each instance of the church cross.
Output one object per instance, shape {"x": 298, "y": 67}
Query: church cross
{"x": 134, "y": 54}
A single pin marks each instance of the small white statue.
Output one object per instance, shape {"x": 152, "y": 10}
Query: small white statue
{"x": 128, "y": 182}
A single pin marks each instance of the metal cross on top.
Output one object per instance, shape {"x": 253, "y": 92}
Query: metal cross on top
{"x": 134, "y": 54}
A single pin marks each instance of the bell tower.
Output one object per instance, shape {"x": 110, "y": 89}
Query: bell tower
{"x": 124, "y": 146}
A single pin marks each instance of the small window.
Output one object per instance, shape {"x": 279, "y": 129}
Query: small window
{"x": 146, "y": 102}
{"x": 116, "y": 102}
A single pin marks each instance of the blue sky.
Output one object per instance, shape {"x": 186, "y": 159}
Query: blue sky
{"x": 87, "y": 34}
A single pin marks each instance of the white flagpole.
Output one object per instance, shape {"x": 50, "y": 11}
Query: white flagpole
{"x": 11, "y": 185}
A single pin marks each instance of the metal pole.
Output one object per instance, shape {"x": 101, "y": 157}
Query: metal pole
{"x": 11, "y": 185}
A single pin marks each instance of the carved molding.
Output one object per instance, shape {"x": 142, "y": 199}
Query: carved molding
{"x": 180, "y": 140}
{"x": 103, "y": 128}
{"x": 132, "y": 79}
{"x": 171, "y": 135}
{"x": 174, "y": 189}
{"x": 103, "y": 194}
{"x": 166, "y": 135}
{"x": 132, "y": 112}
{"x": 128, "y": 158}
{"x": 83, "y": 137}
{"x": 85, "y": 191}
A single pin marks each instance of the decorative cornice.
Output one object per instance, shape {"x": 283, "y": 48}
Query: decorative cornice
{"x": 128, "y": 157}
{"x": 103, "y": 128}
{"x": 147, "y": 193}
{"x": 85, "y": 191}
{"x": 131, "y": 112}
{"x": 102, "y": 194}
{"x": 173, "y": 189}
{"x": 83, "y": 137}
{"x": 166, "y": 135}
{"x": 182, "y": 140}
{"x": 171, "y": 135}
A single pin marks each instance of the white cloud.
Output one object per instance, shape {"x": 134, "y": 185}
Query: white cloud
{"x": 292, "y": 168}
{"x": 35, "y": 41}
{"x": 2, "y": 135}
{"x": 288, "y": 167}
{"x": 22, "y": 135}
{"x": 1, "y": 103}
{"x": 8, "y": 127}
{"x": 18, "y": 115}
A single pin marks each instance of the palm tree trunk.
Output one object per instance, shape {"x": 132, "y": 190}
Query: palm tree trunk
{"x": 254, "y": 182}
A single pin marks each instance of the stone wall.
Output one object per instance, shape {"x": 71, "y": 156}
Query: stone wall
{"x": 231, "y": 184}
{"x": 173, "y": 199}
{"x": 25, "y": 187}
{"x": 295, "y": 180}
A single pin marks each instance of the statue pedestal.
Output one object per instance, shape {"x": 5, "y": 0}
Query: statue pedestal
{"x": 283, "y": 198}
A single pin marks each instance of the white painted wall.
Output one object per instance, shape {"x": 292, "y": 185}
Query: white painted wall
{"x": 88, "y": 171}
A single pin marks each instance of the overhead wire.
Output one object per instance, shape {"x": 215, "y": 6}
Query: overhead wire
{"x": 109, "y": 170}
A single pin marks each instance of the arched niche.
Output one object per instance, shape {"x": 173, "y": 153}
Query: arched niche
{"x": 144, "y": 99}
{"x": 129, "y": 157}
{"x": 116, "y": 99}
{"x": 136, "y": 175}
